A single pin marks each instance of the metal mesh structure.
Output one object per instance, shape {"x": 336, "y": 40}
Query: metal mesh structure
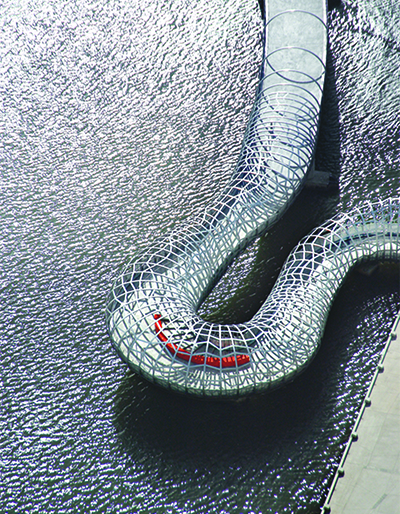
{"x": 151, "y": 311}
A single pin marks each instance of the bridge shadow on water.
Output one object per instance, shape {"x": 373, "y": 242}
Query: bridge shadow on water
{"x": 297, "y": 432}
{"x": 199, "y": 431}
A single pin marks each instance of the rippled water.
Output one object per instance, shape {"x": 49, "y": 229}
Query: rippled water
{"x": 118, "y": 121}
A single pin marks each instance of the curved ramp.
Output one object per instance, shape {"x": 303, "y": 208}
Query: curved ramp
{"x": 151, "y": 311}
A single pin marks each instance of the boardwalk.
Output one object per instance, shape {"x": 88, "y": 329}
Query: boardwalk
{"x": 371, "y": 481}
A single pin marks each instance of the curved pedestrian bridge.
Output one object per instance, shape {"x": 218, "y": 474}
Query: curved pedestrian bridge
{"x": 152, "y": 309}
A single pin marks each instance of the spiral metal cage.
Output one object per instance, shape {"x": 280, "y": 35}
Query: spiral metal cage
{"x": 151, "y": 310}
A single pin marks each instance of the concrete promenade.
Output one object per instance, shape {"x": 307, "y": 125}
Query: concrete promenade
{"x": 368, "y": 479}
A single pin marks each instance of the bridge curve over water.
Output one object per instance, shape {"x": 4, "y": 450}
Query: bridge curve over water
{"x": 151, "y": 311}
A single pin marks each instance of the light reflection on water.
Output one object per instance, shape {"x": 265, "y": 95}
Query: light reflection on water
{"x": 118, "y": 121}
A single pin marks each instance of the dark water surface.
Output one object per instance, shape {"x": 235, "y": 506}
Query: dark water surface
{"x": 119, "y": 120}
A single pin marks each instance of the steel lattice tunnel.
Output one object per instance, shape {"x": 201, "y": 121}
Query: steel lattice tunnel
{"x": 151, "y": 311}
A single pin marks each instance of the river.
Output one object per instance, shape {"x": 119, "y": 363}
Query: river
{"x": 118, "y": 121}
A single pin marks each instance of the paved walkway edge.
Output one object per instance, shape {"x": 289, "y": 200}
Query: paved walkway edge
{"x": 394, "y": 334}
